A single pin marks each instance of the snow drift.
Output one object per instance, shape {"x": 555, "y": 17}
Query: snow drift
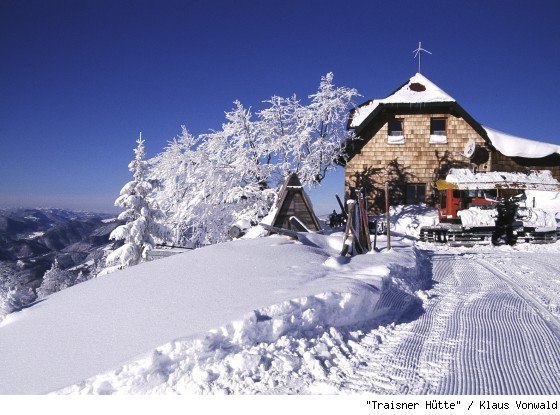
{"x": 190, "y": 323}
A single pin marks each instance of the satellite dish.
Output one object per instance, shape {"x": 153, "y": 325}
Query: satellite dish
{"x": 475, "y": 153}
{"x": 470, "y": 148}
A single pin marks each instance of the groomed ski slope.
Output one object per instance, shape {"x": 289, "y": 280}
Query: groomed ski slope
{"x": 490, "y": 327}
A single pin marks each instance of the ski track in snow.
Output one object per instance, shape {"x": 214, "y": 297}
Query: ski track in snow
{"x": 534, "y": 274}
{"x": 488, "y": 328}
{"x": 490, "y": 324}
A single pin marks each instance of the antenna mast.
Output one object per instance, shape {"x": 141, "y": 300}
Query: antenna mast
{"x": 418, "y": 52}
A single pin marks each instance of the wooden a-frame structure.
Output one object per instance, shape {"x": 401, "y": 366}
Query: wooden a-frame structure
{"x": 293, "y": 202}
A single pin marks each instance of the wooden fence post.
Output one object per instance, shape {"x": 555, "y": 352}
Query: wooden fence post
{"x": 388, "y": 215}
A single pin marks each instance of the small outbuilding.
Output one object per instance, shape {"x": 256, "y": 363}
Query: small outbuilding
{"x": 294, "y": 208}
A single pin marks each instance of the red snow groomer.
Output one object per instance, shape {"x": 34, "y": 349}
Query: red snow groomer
{"x": 492, "y": 207}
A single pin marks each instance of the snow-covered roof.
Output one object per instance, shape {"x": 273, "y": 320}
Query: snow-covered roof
{"x": 513, "y": 146}
{"x": 535, "y": 180}
{"x": 418, "y": 89}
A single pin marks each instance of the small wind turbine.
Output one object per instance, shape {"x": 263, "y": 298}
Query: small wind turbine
{"x": 418, "y": 52}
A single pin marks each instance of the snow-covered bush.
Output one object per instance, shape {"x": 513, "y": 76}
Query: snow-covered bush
{"x": 55, "y": 279}
{"x": 13, "y": 294}
{"x": 141, "y": 213}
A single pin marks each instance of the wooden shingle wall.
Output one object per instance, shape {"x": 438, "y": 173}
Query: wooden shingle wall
{"x": 415, "y": 161}
{"x": 504, "y": 163}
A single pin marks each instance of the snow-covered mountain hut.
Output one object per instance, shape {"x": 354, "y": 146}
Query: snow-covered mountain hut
{"x": 415, "y": 135}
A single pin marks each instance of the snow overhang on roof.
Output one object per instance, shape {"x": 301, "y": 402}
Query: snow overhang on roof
{"x": 467, "y": 180}
{"x": 513, "y": 146}
{"x": 417, "y": 90}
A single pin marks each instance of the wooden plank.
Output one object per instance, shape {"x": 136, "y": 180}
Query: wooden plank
{"x": 280, "y": 231}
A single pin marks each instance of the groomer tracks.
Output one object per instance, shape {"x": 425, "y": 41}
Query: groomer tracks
{"x": 491, "y": 326}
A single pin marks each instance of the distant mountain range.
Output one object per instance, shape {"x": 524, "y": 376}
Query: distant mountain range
{"x": 30, "y": 240}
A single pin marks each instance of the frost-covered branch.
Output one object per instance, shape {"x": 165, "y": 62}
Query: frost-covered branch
{"x": 212, "y": 180}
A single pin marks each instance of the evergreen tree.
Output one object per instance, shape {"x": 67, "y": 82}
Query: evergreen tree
{"x": 141, "y": 213}
{"x": 54, "y": 280}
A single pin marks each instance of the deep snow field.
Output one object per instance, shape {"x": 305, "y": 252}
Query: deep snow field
{"x": 275, "y": 316}
{"x": 216, "y": 319}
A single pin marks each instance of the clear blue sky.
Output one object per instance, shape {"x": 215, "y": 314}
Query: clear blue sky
{"x": 79, "y": 79}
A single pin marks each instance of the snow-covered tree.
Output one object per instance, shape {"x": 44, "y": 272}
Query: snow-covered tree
{"x": 55, "y": 279}
{"x": 279, "y": 128}
{"x": 210, "y": 181}
{"x": 13, "y": 294}
{"x": 179, "y": 169}
{"x": 141, "y": 213}
{"x": 81, "y": 277}
{"x": 237, "y": 183}
{"x": 326, "y": 133}
{"x": 215, "y": 179}
{"x": 309, "y": 138}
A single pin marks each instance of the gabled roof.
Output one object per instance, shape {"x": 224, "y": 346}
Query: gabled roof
{"x": 417, "y": 89}
{"x": 420, "y": 90}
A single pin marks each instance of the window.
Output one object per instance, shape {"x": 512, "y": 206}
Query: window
{"x": 438, "y": 131}
{"x": 443, "y": 199}
{"x": 415, "y": 193}
{"x": 395, "y": 132}
{"x": 395, "y": 127}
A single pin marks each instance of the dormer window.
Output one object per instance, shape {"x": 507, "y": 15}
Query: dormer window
{"x": 438, "y": 131}
{"x": 395, "y": 132}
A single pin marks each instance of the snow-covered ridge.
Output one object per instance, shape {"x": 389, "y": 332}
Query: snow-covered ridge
{"x": 33, "y": 235}
{"x": 513, "y": 146}
{"x": 418, "y": 89}
{"x": 301, "y": 338}
{"x": 162, "y": 309}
